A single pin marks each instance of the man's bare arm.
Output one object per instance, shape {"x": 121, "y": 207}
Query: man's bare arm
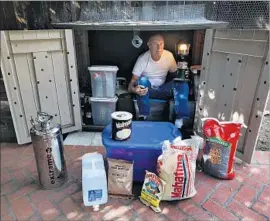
{"x": 173, "y": 69}
{"x": 133, "y": 83}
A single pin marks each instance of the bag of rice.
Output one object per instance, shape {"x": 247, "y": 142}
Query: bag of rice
{"x": 120, "y": 177}
{"x": 177, "y": 167}
{"x": 220, "y": 145}
{"x": 152, "y": 191}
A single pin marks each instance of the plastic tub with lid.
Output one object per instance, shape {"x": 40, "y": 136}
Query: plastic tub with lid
{"x": 102, "y": 108}
{"x": 103, "y": 81}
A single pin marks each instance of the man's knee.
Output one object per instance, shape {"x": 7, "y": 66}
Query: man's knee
{"x": 182, "y": 85}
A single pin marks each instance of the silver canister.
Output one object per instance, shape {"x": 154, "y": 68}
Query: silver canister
{"x": 48, "y": 145}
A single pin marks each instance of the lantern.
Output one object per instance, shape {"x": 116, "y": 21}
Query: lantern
{"x": 182, "y": 59}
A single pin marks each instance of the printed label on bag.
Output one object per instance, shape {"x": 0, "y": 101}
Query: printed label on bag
{"x": 94, "y": 195}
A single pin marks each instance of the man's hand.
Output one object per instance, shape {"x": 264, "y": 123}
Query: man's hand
{"x": 132, "y": 88}
{"x": 140, "y": 91}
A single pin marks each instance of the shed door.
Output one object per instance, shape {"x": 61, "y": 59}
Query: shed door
{"x": 234, "y": 83}
{"x": 40, "y": 74}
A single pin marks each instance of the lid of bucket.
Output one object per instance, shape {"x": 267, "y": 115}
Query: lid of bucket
{"x": 97, "y": 99}
{"x": 121, "y": 115}
{"x": 103, "y": 68}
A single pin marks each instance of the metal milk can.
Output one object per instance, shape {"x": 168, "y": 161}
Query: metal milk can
{"x": 48, "y": 145}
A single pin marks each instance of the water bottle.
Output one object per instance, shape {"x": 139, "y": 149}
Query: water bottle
{"x": 144, "y": 82}
{"x": 87, "y": 117}
{"x": 94, "y": 181}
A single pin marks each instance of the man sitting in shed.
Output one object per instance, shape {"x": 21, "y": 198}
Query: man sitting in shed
{"x": 149, "y": 76}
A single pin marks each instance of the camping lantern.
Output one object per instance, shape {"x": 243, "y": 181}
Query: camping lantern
{"x": 182, "y": 48}
{"x": 182, "y": 59}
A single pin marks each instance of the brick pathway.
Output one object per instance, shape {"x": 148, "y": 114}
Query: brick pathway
{"x": 247, "y": 197}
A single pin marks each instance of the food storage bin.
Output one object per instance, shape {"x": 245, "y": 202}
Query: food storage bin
{"x": 143, "y": 147}
{"x": 103, "y": 81}
{"x": 102, "y": 109}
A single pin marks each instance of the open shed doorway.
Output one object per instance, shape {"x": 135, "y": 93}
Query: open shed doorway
{"x": 115, "y": 47}
{"x": 107, "y": 47}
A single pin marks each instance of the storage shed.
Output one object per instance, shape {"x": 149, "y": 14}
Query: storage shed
{"x": 229, "y": 39}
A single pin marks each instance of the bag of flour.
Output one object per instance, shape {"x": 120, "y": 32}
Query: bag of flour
{"x": 177, "y": 167}
{"x": 120, "y": 177}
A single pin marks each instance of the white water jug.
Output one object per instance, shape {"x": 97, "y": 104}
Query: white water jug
{"x": 94, "y": 181}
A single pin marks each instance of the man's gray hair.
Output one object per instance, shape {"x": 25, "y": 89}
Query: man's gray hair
{"x": 154, "y": 36}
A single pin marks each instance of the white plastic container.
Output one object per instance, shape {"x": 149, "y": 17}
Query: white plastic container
{"x": 94, "y": 180}
{"x": 103, "y": 81}
{"x": 102, "y": 109}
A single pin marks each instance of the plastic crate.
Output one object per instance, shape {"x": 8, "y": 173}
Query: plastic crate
{"x": 102, "y": 109}
{"x": 103, "y": 81}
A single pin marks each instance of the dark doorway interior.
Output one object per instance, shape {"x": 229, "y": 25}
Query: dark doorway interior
{"x": 115, "y": 48}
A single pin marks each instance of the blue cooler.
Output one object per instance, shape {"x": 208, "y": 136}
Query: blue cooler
{"x": 143, "y": 147}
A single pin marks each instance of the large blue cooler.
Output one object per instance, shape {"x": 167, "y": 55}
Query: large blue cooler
{"x": 143, "y": 147}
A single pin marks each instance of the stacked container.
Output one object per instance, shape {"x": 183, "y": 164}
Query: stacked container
{"x": 103, "y": 100}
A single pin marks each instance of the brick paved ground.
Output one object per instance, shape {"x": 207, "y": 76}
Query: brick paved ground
{"x": 247, "y": 197}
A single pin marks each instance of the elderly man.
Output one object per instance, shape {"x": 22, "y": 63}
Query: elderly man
{"x": 149, "y": 76}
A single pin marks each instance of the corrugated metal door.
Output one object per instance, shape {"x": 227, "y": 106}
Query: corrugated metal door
{"x": 234, "y": 82}
{"x": 40, "y": 74}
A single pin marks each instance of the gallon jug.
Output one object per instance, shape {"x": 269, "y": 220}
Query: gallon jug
{"x": 94, "y": 181}
{"x": 47, "y": 142}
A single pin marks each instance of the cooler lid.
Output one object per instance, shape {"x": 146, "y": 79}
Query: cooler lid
{"x": 103, "y": 68}
{"x": 144, "y": 135}
{"x": 97, "y": 99}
